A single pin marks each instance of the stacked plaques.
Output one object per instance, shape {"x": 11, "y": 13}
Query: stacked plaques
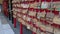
{"x": 36, "y": 16}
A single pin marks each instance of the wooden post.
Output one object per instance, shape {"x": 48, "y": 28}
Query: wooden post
{"x": 14, "y": 20}
{"x": 21, "y": 28}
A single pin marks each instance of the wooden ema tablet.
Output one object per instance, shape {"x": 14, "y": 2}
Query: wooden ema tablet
{"x": 38, "y": 31}
{"x": 56, "y": 4}
{"x": 45, "y": 5}
{"x": 56, "y": 17}
{"x": 43, "y": 20}
{"x": 34, "y": 5}
{"x": 56, "y": 20}
{"x": 38, "y": 13}
{"x": 34, "y": 20}
{"x": 28, "y": 18}
{"x": 41, "y": 30}
{"x": 14, "y": 5}
{"x": 13, "y": 9}
{"x": 24, "y": 17}
{"x": 32, "y": 12}
{"x": 13, "y": 1}
{"x": 23, "y": 22}
{"x": 49, "y": 22}
{"x": 14, "y": 16}
{"x": 24, "y": 11}
{"x": 19, "y": 10}
{"x": 34, "y": 29}
{"x": 38, "y": 23}
{"x": 14, "y": 12}
{"x": 56, "y": 31}
{"x": 49, "y": 16}
{"x": 53, "y": 24}
{"x": 19, "y": 15}
{"x": 47, "y": 13}
{"x": 19, "y": 19}
{"x": 28, "y": 26}
{"x": 41, "y": 14}
{"x": 25, "y": 5}
{"x": 49, "y": 28}
{"x": 43, "y": 27}
{"x": 18, "y": 5}
{"x": 31, "y": 25}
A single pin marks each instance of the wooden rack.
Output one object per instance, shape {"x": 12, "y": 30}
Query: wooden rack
{"x": 30, "y": 20}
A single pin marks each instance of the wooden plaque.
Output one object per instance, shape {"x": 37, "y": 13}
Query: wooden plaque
{"x": 19, "y": 19}
{"x": 24, "y": 17}
{"x": 38, "y": 31}
{"x": 45, "y": 5}
{"x": 49, "y": 16}
{"x": 19, "y": 15}
{"x": 43, "y": 27}
{"x": 24, "y": 11}
{"x": 28, "y": 26}
{"x": 38, "y": 23}
{"x": 28, "y": 18}
{"x": 32, "y": 13}
{"x": 14, "y": 12}
{"x": 25, "y": 5}
{"x": 34, "y": 20}
{"x": 56, "y": 20}
{"x": 42, "y": 14}
{"x": 14, "y": 16}
{"x": 49, "y": 28}
{"x": 34, "y": 5}
{"x": 18, "y": 5}
{"x": 56, "y": 31}
{"x": 34, "y": 29}
{"x": 23, "y": 22}
{"x": 38, "y": 15}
